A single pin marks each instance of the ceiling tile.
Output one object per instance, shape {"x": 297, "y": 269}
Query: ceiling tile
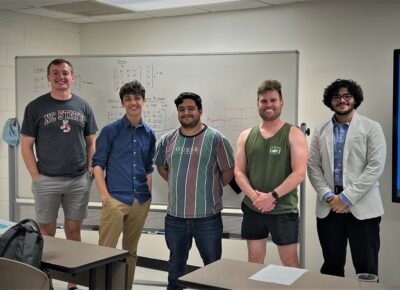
{"x": 47, "y": 13}
{"x": 86, "y": 11}
{"x": 25, "y": 4}
{"x": 87, "y": 8}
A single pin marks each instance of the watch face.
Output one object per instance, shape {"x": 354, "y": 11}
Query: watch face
{"x": 275, "y": 195}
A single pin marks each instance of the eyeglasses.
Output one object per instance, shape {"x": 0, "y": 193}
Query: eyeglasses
{"x": 346, "y": 97}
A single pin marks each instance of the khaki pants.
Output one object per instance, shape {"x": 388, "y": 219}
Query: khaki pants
{"x": 116, "y": 217}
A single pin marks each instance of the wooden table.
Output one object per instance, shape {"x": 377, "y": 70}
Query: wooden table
{"x": 86, "y": 264}
{"x": 233, "y": 274}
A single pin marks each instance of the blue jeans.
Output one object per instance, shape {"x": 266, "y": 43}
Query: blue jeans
{"x": 207, "y": 233}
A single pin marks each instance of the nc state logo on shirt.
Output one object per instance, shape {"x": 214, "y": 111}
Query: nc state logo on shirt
{"x": 65, "y": 126}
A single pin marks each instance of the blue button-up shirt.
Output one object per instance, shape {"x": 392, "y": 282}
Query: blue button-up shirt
{"x": 339, "y": 138}
{"x": 126, "y": 154}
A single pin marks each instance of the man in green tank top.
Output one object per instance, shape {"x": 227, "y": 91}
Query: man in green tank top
{"x": 271, "y": 161}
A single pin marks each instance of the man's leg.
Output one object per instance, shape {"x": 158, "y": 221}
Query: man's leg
{"x": 285, "y": 233}
{"x": 255, "y": 231}
{"x": 111, "y": 222}
{"x": 72, "y": 229}
{"x": 288, "y": 255}
{"x": 207, "y": 234}
{"x": 333, "y": 239}
{"x": 179, "y": 242}
{"x": 48, "y": 229}
{"x": 364, "y": 243}
{"x": 47, "y": 192}
{"x": 132, "y": 229}
{"x": 257, "y": 250}
{"x": 75, "y": 201}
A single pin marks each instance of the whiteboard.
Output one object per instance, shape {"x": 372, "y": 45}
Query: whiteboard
{"x": 227, "y": 83}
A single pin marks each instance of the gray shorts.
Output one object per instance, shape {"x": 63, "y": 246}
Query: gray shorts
{"x": 72, "y": 193}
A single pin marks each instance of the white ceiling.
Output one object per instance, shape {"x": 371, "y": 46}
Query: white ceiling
{"x": 87, "y": 11}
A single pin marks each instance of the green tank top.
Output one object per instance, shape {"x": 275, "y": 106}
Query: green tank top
{"x": 268, "y": 165}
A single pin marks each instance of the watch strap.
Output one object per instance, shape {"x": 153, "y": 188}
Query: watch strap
{"x": 274, "y": 195}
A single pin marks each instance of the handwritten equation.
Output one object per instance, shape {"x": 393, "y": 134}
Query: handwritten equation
{"x": 125, "y": 72}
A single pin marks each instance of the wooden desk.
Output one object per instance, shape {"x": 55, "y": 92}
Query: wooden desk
{"x": 232, "y": 274}
{"x": 90, "y": 265}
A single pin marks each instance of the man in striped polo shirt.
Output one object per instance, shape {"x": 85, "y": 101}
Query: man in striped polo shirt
{"x": 196, "y": 161}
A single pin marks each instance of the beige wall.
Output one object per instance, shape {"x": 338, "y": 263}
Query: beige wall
{"x": 21, "y": 34}
{"x": 336, "y": 39}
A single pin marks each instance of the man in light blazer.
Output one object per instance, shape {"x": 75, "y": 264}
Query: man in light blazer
{"x": 347, "y": 157}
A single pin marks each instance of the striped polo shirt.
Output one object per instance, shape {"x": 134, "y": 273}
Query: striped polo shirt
{"x": 194, "y": 166}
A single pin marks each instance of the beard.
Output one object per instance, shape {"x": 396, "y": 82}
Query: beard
{"x": 188, "y": 125}
{"x": 343, "y": 113}
{"x": 269, "y": 118}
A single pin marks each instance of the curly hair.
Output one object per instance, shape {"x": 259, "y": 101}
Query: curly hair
{"x": 333, "y": 89}
{"x": 135, "y": 88}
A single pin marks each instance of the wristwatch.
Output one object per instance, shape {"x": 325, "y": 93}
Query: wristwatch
{"x": 275, "y": 195}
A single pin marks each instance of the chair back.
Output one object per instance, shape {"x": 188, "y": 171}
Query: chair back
{"x": 17, "y": 275}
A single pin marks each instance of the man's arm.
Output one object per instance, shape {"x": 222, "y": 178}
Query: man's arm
{"x": 316, "y": 172}
{"x": 163, "y": 172}
{"x": 28, "y": 155}
{"x": 373, "y": 166}
{"x": 226, "y": 176}
{"x": 240, "y": 167}
{"x": 299, "y": 156}
{"x": 101, "y": 182}
{"x": 149, "y": 180}
{"x": 90, "y": 149}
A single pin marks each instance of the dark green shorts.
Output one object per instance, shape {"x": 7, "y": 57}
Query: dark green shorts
{"x": 284, "y": 228}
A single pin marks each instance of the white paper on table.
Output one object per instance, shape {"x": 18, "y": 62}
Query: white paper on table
{"x": 278, "y": 274}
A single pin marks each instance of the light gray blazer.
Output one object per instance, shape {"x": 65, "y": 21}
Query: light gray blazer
{"x": 363, "y": 163}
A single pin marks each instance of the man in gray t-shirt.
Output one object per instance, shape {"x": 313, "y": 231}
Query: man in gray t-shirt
{"x": 62, "y": 128}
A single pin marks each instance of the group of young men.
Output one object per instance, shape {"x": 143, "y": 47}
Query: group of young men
{"x": 346, "y": 159}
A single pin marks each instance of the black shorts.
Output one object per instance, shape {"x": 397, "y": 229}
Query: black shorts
{"x": 284, "y": 228}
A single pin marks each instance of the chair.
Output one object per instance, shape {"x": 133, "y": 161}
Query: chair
{"x": 17, "y": 275}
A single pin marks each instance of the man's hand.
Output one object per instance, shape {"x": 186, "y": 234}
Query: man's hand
{"x": 104, "y": 198}
{"x": 337, "y": 205}
{"x": 265, "y": 201}
{"x": 35, "y": 176}
{"x": 346, "y": 209}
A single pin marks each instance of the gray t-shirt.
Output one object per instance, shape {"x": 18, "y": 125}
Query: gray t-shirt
{"x": 60, "y": 128}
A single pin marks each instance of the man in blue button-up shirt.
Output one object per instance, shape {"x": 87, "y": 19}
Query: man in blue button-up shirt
{"x": 347, "y": 158}
{"x": 125, "y": 151}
